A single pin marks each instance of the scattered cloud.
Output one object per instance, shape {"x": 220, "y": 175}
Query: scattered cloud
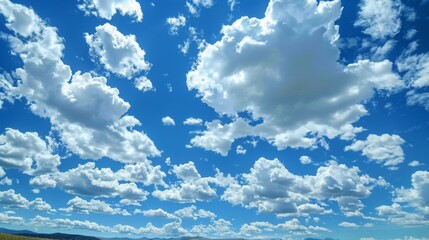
{"x": 88, "y": 115}
{"x": 305, "y": 160}
{"x": 191, "y": 187}
{"x": 193, "y": 121}
{"x": 383, "y": 149}
{"x": 380, "y": 19}
{"x": 168, "y": 121}
{"x": 175, "y": 23}
{"x": 118, "y": 53}
{"x": 107, "y": 8}
{"x": 79, "y": 205}
{"x": 27, "y": 152}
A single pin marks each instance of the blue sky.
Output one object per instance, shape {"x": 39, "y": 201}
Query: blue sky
{"x": 278, "y": 119}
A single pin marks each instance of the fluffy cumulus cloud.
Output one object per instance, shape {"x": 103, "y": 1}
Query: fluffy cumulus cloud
{"x": 270, "y": 187}
{"x": 142, "y": 173}
{"x": 384, "y": 149}
{"x": 194, "y": 213}
{"x": 168, "y": 121}
{"x": 88, "y": 115}
{"x": 87, "y": 180}
{"x": 107, "y": 8}
{"x": 175, "y": 23}
{"x": 79, "y": 205}
{"x": 191, "y": 187}
{"x": 27, "y": 152}
{"x": 118, "y": 53}
{"x": 380, "y": 19}
{"x": 157, "y": 213}
{"x": 293, "y": 225}
{"x": 143, "y": 84}
{"x": 40, "y": 205}
{"x": 193, "y": 121}
{"x": 415, "y": 205}
{"x": 305, "y": 160}
{"x": 65, "y": 223}
{"x": 10, "y": 199}
{"x": 284, "y": 69}
{"x": 194, "y": 6}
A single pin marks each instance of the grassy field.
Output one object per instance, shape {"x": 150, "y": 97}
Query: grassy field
{"x": 14, "y": 237}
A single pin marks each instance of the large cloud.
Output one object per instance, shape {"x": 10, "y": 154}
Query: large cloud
{"x": 270, "y": 187}
{"x": 107, "y": 8}
{"x": 191, "y": 187}
{"x": 415, "y": 208}
{"x": 384, "y": 149}
{"x": 79, "y": 205}
{"x": 284, "y": 70}
{"x": 118, "y": 53}
{"x": 86, "y": 180}
{"x": 27, "y": 152}
{"x": 88, "y": 114}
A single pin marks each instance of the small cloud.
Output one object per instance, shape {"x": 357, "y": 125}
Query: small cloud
{"x": 415, "y": 163}
{"x": 175, "y": 23}
{"x": 143, "y": 84}
{"x": 305, "y": 160}
{"x": 193, "y": 121}
{"x": 240, "y": 150}
{"x": 168, "y": 121}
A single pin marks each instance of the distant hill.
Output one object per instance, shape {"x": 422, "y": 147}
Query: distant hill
{"x": 25, "y": 234}
{"x": 32, "y": 235}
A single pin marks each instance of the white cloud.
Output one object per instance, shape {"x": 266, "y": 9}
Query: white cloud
{"x": 417, "y": 195}
{"x": 6, "y": 90}
{"x": 107, "y": 8}
{"x": 27, "y": 152}
{"x": 143, "y": 173}
{"x": 6, "y": 181}
{"x": 240, "y": 150}
{"x": 348, "y": 225}
{"x": 40, "y": 205}
{"x": 305, "y": 160}
{"x": 414, "y": 163}
{"x": 118, "y": 53}
{"x": 380, "y": 19}
{"x": 396, "y": 214}
{"x": 384, "y": 149}
{"x": 66, "y": 223}
{"x": 13, "y": 220}
{"x": 191, "y": 187}
{"x": 194, "y": 213}
{"x": 158, "y": 213}
{"x": 143, "y": 84}
{"x": 86, "y": 180}
{"x": 89, "y": 116}
{"x": 10, "y": 199}
{"x": 220, "y": 227}
{"x": 414, "y": 198}
{"x": 193, "y": 121}
{"x": 175, "y": 23}
{"x": 194, "y": 6}
{"x": 168, "y": 121}
{"x": 381, "y": 52}
{"x": 415, "y": 67}
{"x": 299, "y": 101}
{"x": 232, "y": 4}
{"x": 270, "y": 187}
{"x": 79, "y": 205}
{"x": 418, "y": 98}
